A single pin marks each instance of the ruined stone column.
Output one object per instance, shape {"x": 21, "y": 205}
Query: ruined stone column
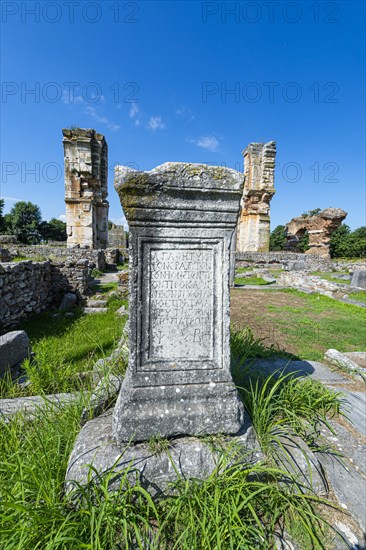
{"x": 181, "y": 219}
{"x": 253, "y": 230}
{"x": 86, "y": 187}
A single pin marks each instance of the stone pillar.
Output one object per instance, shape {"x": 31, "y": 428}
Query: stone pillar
{"x": 181, "y": 220}
{"x": 86, "y": 187}
{"x": 253, "y": 229}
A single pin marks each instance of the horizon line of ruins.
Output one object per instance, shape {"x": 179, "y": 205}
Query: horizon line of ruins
{"x": 86, "y": 192}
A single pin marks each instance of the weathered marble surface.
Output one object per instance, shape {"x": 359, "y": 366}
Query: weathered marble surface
{"x": 181, "y": 219}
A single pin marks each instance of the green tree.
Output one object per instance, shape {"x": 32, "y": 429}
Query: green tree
{"x": 309, "y": 213}
{"x": 277, "y": 238}
{"x": 345, "y": 243}
{"x": 338, "y": 242}
{"x": 303, "y": 243}
{"x": 2, "y": 221}
{"x": 25, "y": 219}
{"x": 54, "y": 230}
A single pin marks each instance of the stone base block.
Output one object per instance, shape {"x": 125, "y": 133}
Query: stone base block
{"x": 155, "y": 463}
{"x": 177, "y": 410}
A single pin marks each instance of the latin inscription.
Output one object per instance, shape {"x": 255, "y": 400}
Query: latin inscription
{"x": 181, "y": 304}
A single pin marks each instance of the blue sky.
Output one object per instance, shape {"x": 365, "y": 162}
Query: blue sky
{"x": 187, "y": 81}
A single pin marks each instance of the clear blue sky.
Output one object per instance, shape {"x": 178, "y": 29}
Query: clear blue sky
{"x": 155, "y": 78}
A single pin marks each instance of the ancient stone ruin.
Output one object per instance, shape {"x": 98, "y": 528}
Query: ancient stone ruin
{"x": 253, "y": 229}
{"x": 178, "y": 383}
{"x": 319, "y": 228}
{"x": 117, "y": 237}
{"x": 86, "y": 187}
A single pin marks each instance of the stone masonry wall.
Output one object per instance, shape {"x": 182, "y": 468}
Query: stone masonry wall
{"x": 53, "y": 253}
{"x": 30, "y": 287}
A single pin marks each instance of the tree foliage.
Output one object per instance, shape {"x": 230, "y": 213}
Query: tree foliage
{"x": 25, "y": 219}
{"x": 345, "y": 243}
{"x": 310, "y": 213}
{"x": 303, "y": 243}
{"x": 54, "y": 230}
{"x": 277, "y": 238}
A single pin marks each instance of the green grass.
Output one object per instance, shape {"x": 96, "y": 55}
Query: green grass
{"x": 65, "y": 347}
{"x": 359, "y": 296}
{"x": 243, "y": 269}
{"x": 321, "y": 323}
{"x": 332, "y": 277}
{"x": 104, "y": 288}
{"x": 250, "y": 281}
{"x": 36, "y": 258}
{"x": 238, "y": 506}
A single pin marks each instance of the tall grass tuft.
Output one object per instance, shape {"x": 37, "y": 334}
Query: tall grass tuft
{"x": 238, "y": 506}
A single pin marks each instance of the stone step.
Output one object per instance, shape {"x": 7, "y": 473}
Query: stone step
{"x": 96, "y": 303}
{"x": 89, "y": 310}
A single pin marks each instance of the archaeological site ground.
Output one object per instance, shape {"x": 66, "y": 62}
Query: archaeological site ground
{"x": 182, "y": 275}
{"x": 181, "y": 385}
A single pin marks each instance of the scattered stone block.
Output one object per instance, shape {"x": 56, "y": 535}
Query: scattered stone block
{"x": 359, "y": 278}
{"x": 30, "y": 405}
{"x": 358, "y": 357}
{"x": 341, "y": 360}
{"x": 93, "y": 310}
{"x": 187, "y": 457}
{"x": 122, "y": 311}
{"x": 97, "y": 303}
{"x": 68, "y": 302}
{"x": 14, "y": 348}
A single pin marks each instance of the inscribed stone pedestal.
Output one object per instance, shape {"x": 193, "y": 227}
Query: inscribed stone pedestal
{"x": 181, "y": 219}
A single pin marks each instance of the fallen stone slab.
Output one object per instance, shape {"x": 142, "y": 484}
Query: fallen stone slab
{"x": 348, "y": 485}
{"x": 341, "y": 360}
{"x": 96, "y": 303}
{"x": 156, "y": 468}
{"x": 14, "y": 348}
{"x": 359, "y": 278}
{"x": 122, "y": 311}
{"x": 353, "y": 405}
{"x": 68, "y": 302}
{"x": 106, "y": 391}
{"x": 93, "y": 310}
{"x": 281, "y": 366}
{"x": 30, "y": 405}
{"x": 345, "y": 441}
{"x": 358, "y": 357}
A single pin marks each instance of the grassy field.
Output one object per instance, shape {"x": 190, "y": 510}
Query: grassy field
{"x": 243, "y": 281}
{"x": 358, "y": 296}
{"x": 65, "y": 346}
{"x": 332, "y": 277}
{"x": 301, "y": 324}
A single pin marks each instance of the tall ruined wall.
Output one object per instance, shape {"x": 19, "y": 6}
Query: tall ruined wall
{"x": 86, "y": 187}
{"x": 320, "y": 229}
{"x": 30, "y": 287}
{"x": 117, "y": 237}
{"x": 253, "y": 229}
